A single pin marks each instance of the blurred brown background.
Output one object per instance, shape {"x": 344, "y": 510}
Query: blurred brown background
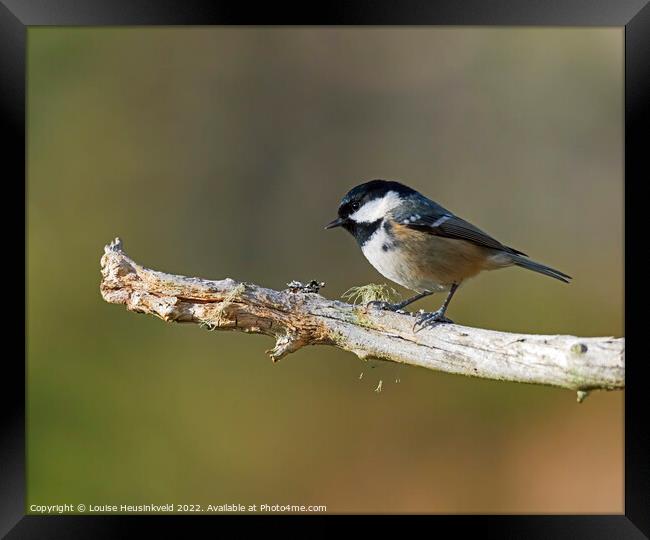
{"x": 222, "y": 152}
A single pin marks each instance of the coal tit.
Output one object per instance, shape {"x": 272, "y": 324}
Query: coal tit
{"x": 424, "y": 247}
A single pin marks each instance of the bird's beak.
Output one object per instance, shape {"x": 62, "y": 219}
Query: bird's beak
{"x": 336, "y": 223}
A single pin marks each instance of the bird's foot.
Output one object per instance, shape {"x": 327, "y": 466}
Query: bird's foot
{"x": 384, "y": 306}
{"x": 425, "y": 319}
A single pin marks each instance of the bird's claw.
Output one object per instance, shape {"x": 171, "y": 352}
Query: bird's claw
{"x": 384, "y": 306}
{"x": 425, "y": 319}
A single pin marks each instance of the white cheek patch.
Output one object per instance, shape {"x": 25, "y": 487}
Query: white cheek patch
{"x": 376, "y": 209}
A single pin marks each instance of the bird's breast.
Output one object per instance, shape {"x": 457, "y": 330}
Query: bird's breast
{"x": 389, "y": 255}
{"x": 421, "y": 261}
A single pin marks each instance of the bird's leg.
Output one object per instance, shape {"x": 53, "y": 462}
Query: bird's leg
{"x": 387, "y": 306}
{"x": 429, "y": 319}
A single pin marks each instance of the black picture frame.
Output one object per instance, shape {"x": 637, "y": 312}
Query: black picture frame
{"x": 634, "y": 15}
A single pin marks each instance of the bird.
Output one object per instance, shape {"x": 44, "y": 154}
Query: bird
{"x": 419, "y": 244}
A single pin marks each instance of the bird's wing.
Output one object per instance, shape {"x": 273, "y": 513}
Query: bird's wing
{"x": 432, "y": 218}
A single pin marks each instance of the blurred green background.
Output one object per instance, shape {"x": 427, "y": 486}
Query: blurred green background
{"x": 222, "y": 152}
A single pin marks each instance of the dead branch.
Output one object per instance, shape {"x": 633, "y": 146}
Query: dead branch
{"x": 298, "y": 316}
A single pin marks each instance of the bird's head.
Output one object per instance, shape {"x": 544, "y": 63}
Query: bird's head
{"x": 369, "y": 203}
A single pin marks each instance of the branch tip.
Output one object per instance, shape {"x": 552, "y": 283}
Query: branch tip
{"x": 284, "y": 344}
{"x": 115, "y": 246}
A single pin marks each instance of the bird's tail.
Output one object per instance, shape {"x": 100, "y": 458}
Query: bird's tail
{"x": 540, "y": 268}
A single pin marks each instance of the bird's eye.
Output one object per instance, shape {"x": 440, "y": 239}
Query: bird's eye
{"x": 355, "y": 206}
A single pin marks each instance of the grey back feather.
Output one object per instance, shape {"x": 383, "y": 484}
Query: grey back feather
{"x": 424, "y": 215}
